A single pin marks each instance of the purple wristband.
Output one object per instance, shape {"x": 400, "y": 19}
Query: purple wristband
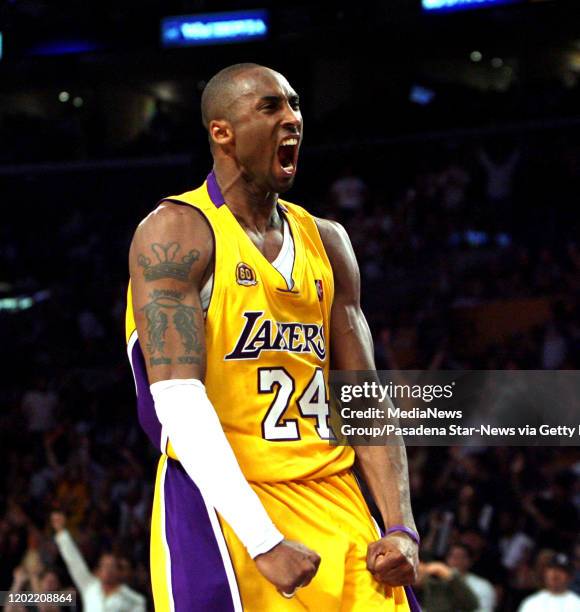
{"x": 401, "y": 528}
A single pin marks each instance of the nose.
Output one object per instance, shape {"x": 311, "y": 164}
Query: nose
{"x": 292, "y": 119}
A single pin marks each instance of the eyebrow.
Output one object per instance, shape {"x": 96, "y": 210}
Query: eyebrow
{"x": 277, "y": 99}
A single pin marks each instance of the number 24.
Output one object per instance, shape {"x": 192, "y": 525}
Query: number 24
{"x": 312, "y": 403}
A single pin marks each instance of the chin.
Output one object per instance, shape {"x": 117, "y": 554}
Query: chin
{"x": 282, "y": 185}
{"x": 286, "y": 186}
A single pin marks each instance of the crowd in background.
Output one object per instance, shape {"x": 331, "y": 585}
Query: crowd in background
{"x": 437, "y": 231}
{"x": 68, "y": 132}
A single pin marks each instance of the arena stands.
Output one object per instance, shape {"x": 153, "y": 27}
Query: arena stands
{"x": 466, "y": 224}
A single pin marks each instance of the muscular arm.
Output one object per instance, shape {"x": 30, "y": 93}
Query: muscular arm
{"x": 168, "y": 260}
{"x": 384, "y": 467}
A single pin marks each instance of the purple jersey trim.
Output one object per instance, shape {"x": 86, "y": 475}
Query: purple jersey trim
{"x": 214, "y": 190}
{"x": 412, "y": 600}
{"x": 198, "y": 577}
{"x": 145, "y": 404}
{"x": 215, "y": 193}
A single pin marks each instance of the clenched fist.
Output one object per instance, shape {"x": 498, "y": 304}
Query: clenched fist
{"x": 393, "y": 560}
{"x": 288, "y": 566}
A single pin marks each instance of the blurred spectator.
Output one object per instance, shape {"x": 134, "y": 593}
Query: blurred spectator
{"x": 499, "y": 166}
{"x": 515, "y": 545}
{"x": 39, "y": 406}
{"x": 556, "y": 596}
{"x": 554, "y": 349}
{"x": 37, "y": 582}
{"x": 349, "y": 193}
{"x": 72, "y": 493}
{"x": 102, "y": 591}
{"x": 575, "y": 585}
{"x": 443, "y": 589}
{"x": 90, "y": 327}
{"x": 453, "y": 184}
{"x": 552, "y": 512}
{"x": 460, "y": 558}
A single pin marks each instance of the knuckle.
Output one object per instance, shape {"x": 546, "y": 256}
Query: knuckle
{"x": 307, "y": 570}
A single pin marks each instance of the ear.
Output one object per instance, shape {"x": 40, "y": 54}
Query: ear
{"x": 220, "y": 132}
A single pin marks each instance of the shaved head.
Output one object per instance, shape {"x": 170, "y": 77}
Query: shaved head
{"x": 222, "y": 90}
{"x": 254, "y": 124}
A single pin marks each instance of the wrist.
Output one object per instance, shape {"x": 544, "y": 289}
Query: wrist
{"x": 271, "y": 539}
{"x": 265, "y": 550}
{"x": 404, "y": 530}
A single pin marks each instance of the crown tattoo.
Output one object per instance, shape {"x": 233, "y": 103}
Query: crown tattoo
{"x": 168, "y": 265}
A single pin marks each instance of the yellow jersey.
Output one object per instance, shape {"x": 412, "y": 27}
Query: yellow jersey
{"x": 267, "y": 347}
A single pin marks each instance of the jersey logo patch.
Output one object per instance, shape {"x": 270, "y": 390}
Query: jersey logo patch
{"x": 245, "y": 276}
{"x": 319, "y": 289}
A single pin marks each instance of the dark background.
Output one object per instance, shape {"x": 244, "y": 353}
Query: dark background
{"x": 463, "y": 212}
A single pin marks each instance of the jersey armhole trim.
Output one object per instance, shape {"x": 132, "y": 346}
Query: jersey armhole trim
{"x": 314, "y": 221}
{"x": 292, "y": 241}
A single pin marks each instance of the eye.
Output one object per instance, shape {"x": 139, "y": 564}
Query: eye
{"x": 269, "y": 105}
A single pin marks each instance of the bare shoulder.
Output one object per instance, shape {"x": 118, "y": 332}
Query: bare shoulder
{"x": 336, "y": 242}
{"x": 170, "y": 233}
{"x": 170, "y": 219}
{"x": 332, "y": 233}
{"x": 342, "y": 258}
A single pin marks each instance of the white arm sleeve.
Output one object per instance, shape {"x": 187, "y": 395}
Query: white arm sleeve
{"x": 197, "y": 437}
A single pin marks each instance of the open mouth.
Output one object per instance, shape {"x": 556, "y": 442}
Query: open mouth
{"x": 287, "y": 154}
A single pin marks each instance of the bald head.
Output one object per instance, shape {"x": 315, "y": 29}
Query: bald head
{"x": 222, "y": 90}
{"x": 248, "y": 110}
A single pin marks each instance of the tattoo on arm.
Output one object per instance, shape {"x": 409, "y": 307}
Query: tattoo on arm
{"x": 168, "y": 265}
{"x": 163, "y": 305}
{"x": 184, "y": 321}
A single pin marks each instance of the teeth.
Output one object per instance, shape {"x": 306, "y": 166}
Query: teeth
{"x": 289, "y": 142}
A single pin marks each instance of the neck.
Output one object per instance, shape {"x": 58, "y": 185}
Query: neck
{"x": 109, "y": 588}
{"x": 252, "y": 205}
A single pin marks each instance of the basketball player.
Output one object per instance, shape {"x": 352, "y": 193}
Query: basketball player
{"x": 238, "y": 304}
